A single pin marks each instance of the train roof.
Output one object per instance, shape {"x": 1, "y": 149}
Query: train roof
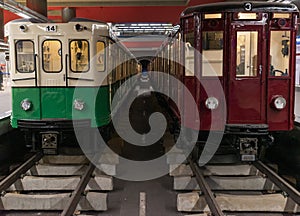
{"x": 77, "y": 19}
{"x": 241, "y": 6}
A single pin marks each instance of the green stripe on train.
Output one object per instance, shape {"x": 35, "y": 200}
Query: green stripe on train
{"x": 58, "y": 103}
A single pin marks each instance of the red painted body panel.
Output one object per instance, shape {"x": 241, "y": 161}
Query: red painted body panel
{"x": 190, "y": 116}
{"x": 216, "y": 116}
{"x": 244, "y": 102}
{"x": 279, "y": 119}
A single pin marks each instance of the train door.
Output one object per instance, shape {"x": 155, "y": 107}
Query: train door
{"x": 52, "y": 70}
{"x": 51, "y": 76}
{"x": 246, "y": 91}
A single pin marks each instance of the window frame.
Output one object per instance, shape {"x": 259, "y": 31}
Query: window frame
{"x": 16, "y": 56}
{"x": 289, "y": 54}
{"x": 70, "y": 56}
{"x": 104, "y": 55}
{"x": 61, "y": 58}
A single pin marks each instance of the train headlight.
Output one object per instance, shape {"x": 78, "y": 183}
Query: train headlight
{"x": 26, "y": 104}
{"x": 211, "y": 103}
{"x": 23, "y": 28}
{"x": 279, "y": 102}
{"x": 78, "y": 104}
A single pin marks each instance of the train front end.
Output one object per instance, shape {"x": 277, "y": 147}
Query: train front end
{"x": 54, "y": 85}
{"x": 249, "y": 50}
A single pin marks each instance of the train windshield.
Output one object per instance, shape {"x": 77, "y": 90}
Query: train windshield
{"x": 246, "y": 56}
{"x": 52, "y": 59}
{"x": 280, "y": 53}
{"x": 212, "y": 53}
{"x": 189, "y": 54}
{"x": 100, "y": 56}
{"x": 25, "y": 56}
{"x": 79, "y": 54}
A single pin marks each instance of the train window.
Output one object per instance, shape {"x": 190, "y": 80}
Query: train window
{"x": 280, "y": 53}
{"x": 246, "y": 53}
{"x": 281, "y": 15}
{"x": 100, "y": 46}
{"x": 213, "y": 16}
{"x": 25, "y": 56}
{"x": 79, "y": 55}
{"x": 212, "y": 53}
{"x": 189, "y": 54}
{"x": 247, "y": 16}
{"x": 52, "y": 58}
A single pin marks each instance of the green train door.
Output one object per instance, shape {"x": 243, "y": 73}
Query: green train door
{"x": 51, "y": 77}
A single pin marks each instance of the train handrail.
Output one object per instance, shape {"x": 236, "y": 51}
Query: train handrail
{"x": 35, "y": 71}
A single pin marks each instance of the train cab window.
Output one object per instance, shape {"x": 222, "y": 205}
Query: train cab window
{"x": 189, "y": 54}
{"x": 100, "y": 49}
{"x": 279, "y": 53}
{"x": 213, "y": 16}
{"x": 212, "y": 53}
{"x": 281, "y": 15}
{"x": 25, "y": 56}
{"x": 52, "y": 58}
{"x": 247, "y": 16}
{"x": 246, "y": 54}
{"x": 79, "y": 55}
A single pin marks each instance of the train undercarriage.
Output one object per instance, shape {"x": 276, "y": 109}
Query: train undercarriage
{"x": 248, "y": 141}
{"x": 50, "y": 135}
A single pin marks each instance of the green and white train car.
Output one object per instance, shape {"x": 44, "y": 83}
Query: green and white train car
{"x": 64, "y": 73}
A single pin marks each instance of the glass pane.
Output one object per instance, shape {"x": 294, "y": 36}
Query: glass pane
{"x": 281, "y": 15}
{"x": 189, "y": 54}
{"x": 213, "y": 16}
{"x": 246, "y": 56}
{"x": 297, "y": 70}
{"x": 280, "y": 53}
{"x": 247, "y": 16}
{"x": 100, "y": 56}
{"x": 25, "y": 56}
{"x": 52, "y": 61}
{"x": 212, "y": 53}
{"x": 79, "y": 54}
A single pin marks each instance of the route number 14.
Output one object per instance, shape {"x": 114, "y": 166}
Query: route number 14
{"x": 51, "y": 28}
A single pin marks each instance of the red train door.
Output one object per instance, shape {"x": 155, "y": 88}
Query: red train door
{"x": 246, "y": 91}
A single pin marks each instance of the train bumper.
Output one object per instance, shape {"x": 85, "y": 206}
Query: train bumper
{"x": 247, "y": 129}
{"x": 53, "y": 124}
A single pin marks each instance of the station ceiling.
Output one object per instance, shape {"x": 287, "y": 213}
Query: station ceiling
{"x": 93, "y": 3}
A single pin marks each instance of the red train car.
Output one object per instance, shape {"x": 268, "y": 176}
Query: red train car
{"x": 237, "y": 59}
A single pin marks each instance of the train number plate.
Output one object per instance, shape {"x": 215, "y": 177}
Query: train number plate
{"x": 51, "y": 28}
{"x": 248, "y": 157}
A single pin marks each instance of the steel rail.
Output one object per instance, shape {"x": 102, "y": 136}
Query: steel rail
{"x": 13, "y": 177}
{"x": 76, "y": 195}
{"x": 279, "y": 181}
{"x": 208, "y": 194}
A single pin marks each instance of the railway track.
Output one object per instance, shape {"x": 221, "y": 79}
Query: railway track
{"x": 59, "y": 183}
{"x": 234, "y": 189}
